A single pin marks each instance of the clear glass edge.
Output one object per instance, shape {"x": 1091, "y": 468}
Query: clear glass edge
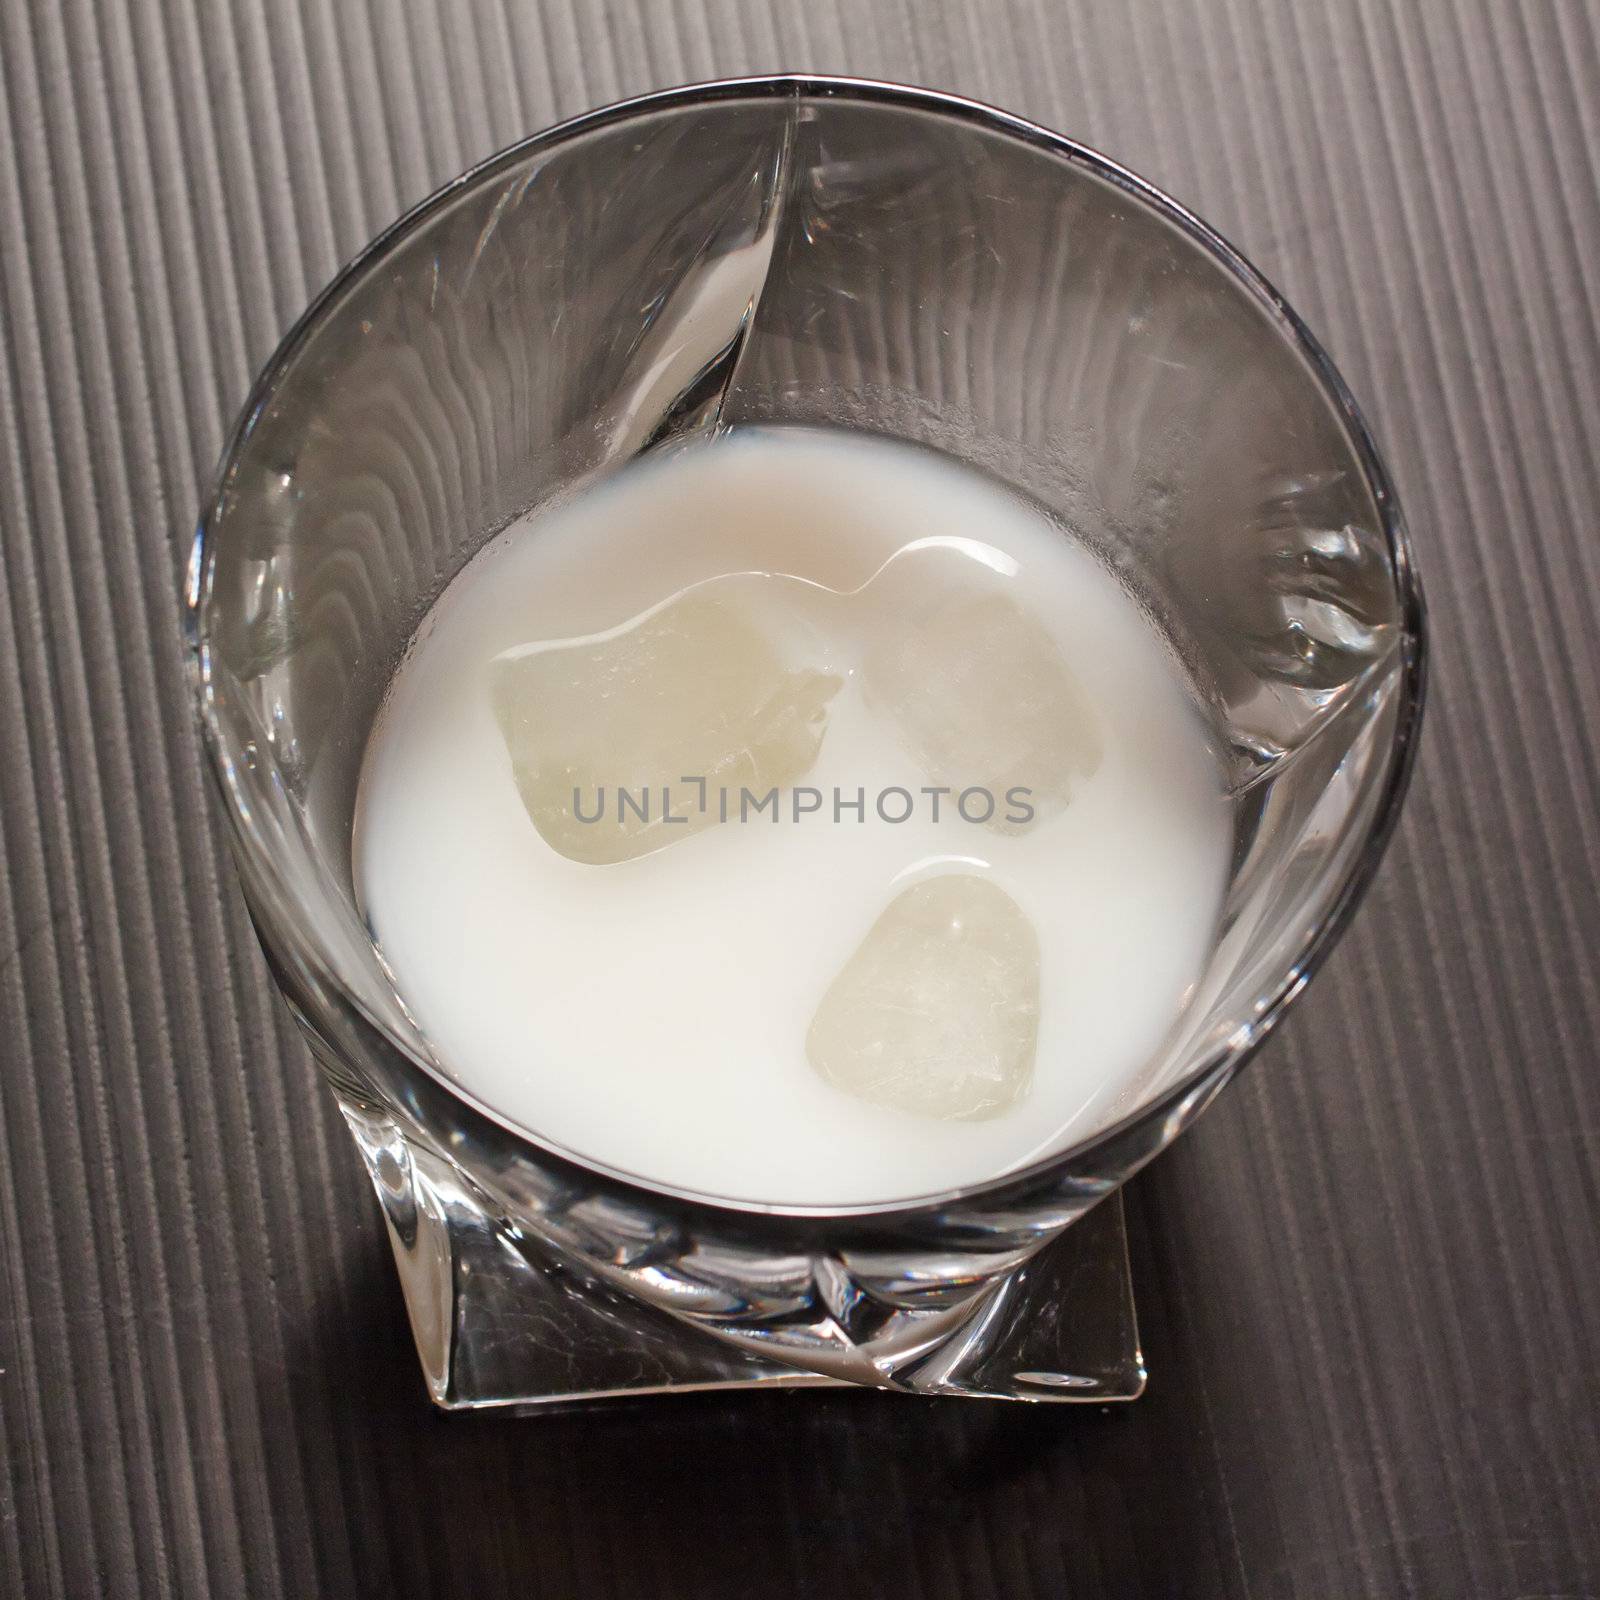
{"x": 1176, "y": 1107}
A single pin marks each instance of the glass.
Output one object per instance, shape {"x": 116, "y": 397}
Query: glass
{"x": 827, "y": 252}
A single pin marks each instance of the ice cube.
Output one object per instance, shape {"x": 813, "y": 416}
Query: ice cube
{"x": 983, "y": 698}
{"x": 937, "y": 1012}
{"x": 610, "y": 729}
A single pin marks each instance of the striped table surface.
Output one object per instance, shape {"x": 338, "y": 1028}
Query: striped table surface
{"x": 1369, "y": 1282}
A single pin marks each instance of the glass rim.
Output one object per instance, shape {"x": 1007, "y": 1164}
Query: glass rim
{"x": 1180, "y": 1101}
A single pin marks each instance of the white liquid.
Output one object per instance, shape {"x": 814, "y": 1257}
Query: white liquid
{"x": 651, "y": 1015}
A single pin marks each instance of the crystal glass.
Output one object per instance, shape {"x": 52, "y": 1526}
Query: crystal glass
{"x": 815, "y": 251}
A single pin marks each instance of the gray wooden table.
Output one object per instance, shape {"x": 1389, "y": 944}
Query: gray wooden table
{"x": 1370, "y": 1281}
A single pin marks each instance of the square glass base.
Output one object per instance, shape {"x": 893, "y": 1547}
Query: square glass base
{"x": 498, "y": 1321}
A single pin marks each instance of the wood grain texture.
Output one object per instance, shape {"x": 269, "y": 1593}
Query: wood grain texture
{"x": 1368, "y": 1281}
